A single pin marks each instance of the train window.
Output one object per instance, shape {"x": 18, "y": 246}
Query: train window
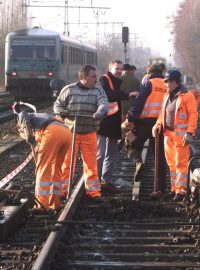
{"x": 21, "y": 51}
{"x": 29, "y": 48}
{"x": 64, "y": 54}
{"x": 51, "y": 52}
{"x": 73, "y": 55}
{"x": 79, "y": 56}
{"x": 90, "y": 57}
{"x": 69, "y": 55}
{"x": 40, "y": 52}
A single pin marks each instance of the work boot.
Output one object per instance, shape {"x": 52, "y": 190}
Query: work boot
{"x": 178, "y": 198}
{"x": 139, "y": 166}
{"x": 121, "y": 184}
{"x": 108, "y": 186}
{"x": 156, "y": 194}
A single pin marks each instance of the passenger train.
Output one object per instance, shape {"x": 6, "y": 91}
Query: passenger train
{"x": 33, "y": 57}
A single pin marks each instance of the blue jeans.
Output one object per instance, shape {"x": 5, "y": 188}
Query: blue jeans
{"x": 107, "y": 155}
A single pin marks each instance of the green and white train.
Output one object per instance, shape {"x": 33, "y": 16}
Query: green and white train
{"x": 33, "y": 57}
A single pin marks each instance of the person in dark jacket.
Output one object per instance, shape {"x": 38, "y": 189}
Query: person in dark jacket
{"x": 110, "y": 127}
{"x": 143, "y": 115}
{"x": 129, "y": 83}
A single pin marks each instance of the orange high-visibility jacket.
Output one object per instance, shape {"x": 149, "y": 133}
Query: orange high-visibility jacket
{"x": 186, "y": 115}
{"x": 154, "y": 101}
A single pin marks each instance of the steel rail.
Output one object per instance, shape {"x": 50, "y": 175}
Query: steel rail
{"x": 49, "y": 247}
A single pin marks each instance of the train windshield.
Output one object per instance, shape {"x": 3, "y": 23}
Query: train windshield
{"x": 33, "y": 48}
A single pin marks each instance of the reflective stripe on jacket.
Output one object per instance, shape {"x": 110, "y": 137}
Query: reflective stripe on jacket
{"x": 186, "y": 115}
{"x": 154, "y": 101}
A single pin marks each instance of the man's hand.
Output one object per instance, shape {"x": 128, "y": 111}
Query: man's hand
{"x": 156, "y": 129}
{"x": 187, "y": 139}
{"x": 127, "y": 125}
{"x": 134, "y": 94}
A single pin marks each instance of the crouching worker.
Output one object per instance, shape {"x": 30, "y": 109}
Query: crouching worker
{"x": 178, "y": 118}
{"x": 54, "y": 139}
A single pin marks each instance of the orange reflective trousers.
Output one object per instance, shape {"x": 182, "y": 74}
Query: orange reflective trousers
{"x": 177, "y": 157}
{"x": 88, "y": 148}
{"x": 55, "y": 141}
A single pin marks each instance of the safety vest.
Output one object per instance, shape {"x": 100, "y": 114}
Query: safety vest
{"x": 154, "y": 101}
{"x": 112, "y": 106}
{"x": 186, "y": 115}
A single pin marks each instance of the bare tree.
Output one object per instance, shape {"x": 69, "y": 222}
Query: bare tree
{"x": 187, "y": 36}
{"x": 11, "y": 20}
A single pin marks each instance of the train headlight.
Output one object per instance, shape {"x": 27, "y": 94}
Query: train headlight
{"x": 50, "y": 74}
{"x": 14, "y": 73}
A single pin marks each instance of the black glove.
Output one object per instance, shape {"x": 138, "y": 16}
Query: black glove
{"x": 31, "y": 139}
{"x": 187, "y": 139}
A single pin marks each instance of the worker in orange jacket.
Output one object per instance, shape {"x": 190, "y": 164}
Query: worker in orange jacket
{"x": 178, "y": 118}
{"x": 142, "y": 116}
{"x": 54, "y": 139}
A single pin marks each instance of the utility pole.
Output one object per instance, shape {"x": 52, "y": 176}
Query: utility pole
{"x": 24, "y": 13}
{"x": 66, "y": 22}
{"x": 97, "y": 30}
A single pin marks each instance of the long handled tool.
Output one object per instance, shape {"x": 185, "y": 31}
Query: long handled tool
{"x": 156, "y": 162}
{"x": 156, "y": 193}
{"x": 71, "y": 170}
{"x": 34, "y": 154}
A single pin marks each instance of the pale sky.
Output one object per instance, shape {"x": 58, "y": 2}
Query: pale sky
{"x": 146, "y": 19}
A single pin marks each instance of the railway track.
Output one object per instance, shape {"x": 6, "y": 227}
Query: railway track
{"x": 117, "y": 233}
{"x": 22, "y": 232}
{"x": 111, "y": 233}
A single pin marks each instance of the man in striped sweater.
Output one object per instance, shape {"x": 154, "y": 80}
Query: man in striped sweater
{"x": 89, "y": 103}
